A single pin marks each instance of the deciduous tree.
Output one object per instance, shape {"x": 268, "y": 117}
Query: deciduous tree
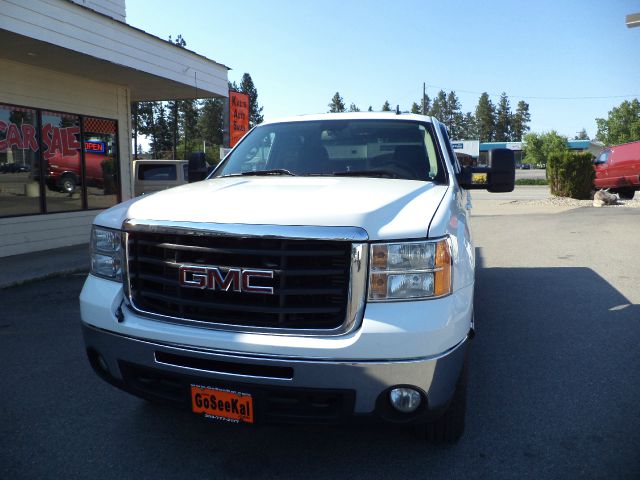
{"x": 622, "y": 125}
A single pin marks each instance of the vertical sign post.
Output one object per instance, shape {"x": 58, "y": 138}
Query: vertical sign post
{"x": 238, "y": 116}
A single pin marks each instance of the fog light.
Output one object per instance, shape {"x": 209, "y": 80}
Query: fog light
{"x": 405, "y": 400}
{"x": 102, "y": 364}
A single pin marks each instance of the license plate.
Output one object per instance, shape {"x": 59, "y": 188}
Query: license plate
{"x": 222, "y": 404}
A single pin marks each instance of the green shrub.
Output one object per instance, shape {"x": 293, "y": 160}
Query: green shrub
{"x": 570, "y": 174}
{"x": 532, "y": 181}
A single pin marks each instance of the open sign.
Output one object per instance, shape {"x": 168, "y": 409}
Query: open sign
{"x": 95, "y": 147}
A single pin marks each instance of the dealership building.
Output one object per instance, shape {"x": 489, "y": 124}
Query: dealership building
{"x": 478, "y": 151}
{"x": 70, "y": 72}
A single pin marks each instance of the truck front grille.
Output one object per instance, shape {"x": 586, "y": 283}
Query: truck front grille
{"x": 311, "y": 280}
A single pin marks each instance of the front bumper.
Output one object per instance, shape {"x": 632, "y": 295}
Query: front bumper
{"x": 285, "y": 389}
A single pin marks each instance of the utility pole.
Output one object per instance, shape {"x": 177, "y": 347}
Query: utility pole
{"x": 424, "y": 98}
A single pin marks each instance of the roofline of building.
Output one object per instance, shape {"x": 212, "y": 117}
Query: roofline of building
{"x": 95, "y": 12}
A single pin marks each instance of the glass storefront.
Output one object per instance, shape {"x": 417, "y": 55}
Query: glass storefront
{"x": 56, "y": 162}
{"x": 63, "y": 162}
{"x": 19, "y": 162}
{"x": 101, "y": 162}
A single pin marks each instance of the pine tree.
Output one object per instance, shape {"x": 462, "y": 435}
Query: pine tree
{"x": 210, "y": 121}
{"x": 503, "y": 119}
{"x": 582, "y": 135}
{"x": 161, "y": 134}
{"x": 370, "y": 109}
{"x": 353, "y": 108}
{"x": 454, "y": 116}
{"x": 337, "y": 104}
{"x": 255, "y": 110}
{"x": 415, "y": 108}
{"x": 485, "y": 118}
{"x": 142, "y": 119}
{"x": 189, "y": 122}
{"x": 439, "y": 108}
{"x": 386, "y": 107}
{"x": 468, "y": 128}
{"x": 520, "y": 121}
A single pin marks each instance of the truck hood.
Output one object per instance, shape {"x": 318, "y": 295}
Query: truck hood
{"x": 385, "y": 208}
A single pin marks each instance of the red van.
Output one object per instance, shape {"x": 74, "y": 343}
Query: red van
{"x": 618, "y": 168}
{"x": 63, "y": 172}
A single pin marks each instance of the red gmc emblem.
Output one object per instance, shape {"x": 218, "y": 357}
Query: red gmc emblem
{"x": 224, "y": 279}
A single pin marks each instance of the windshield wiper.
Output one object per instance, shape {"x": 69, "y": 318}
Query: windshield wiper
{"x": 275, "y": 171}
{"x": 366, "y": 173}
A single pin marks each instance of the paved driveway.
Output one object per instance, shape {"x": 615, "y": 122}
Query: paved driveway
{"x": 554, "y": 388}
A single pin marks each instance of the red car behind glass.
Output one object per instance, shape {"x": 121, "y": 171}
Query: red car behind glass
{"x": 64, "y": 174}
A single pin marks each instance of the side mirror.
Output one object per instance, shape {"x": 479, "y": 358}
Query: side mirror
{"x": 498, "y": 176}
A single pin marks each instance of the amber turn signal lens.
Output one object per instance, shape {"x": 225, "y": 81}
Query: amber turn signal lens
{"x": 378, "y": 285}
{"x": 379, "y": 257}
{"x": 443, "y": 269}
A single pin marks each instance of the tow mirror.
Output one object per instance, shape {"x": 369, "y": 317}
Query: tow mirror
{"x": 498, "y": 176}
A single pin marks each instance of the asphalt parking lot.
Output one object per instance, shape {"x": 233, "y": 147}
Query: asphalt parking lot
{"x": 553, "y": 393}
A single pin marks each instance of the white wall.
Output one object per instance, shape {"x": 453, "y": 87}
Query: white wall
{"x": 64, "y": 24}
{"x": 116, "y": 9}
{"x": 39, "y": 88}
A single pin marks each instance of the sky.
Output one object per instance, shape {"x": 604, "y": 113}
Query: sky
{"x": 571, "y": 61}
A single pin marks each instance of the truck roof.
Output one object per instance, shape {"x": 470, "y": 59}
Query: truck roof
{"x": 352, "y": 116}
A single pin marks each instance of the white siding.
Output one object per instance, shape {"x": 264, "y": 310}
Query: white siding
{"x": 114, "y": 8}
{"x": 39, "y": 88}
{"x": 66, "y": 25}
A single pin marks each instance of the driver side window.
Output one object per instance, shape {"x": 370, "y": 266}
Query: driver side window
{"x": 603, "y": 158}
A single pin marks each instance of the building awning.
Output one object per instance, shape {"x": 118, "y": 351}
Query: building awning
{"x": 76, "y": 40}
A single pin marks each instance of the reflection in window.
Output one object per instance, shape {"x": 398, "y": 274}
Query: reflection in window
{"x": 19, "y": 188}
{"x": 101, "y": 162}
{"x": 48, "y": 156}
{"x": 62, "y": 159}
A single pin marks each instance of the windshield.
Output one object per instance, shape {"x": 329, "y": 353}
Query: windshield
{"x": 368, "y": 148}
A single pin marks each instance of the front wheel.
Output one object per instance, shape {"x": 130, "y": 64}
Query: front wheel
{"x": 68, "y": 183}
{"x": 626, "y": 193}
{"x": 450, "y": 426}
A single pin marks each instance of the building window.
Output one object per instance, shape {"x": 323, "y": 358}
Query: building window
{"x": 63, "y": 162}
{"x": 19, "y": 162}
{"x": 56, "y": 162}
{"x": 101, "y": 162}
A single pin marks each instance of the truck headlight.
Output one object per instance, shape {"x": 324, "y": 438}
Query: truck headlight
{"x": 107, "y": 253}
{"x": 410, "y": 270}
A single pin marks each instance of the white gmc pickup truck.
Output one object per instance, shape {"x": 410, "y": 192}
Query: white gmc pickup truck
{"x": 323, "y": 272}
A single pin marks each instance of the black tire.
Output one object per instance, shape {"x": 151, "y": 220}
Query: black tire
{"x": 68, "y": 183}
{"x": 626, "y": 193}
{"x": 450, "y": 426}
